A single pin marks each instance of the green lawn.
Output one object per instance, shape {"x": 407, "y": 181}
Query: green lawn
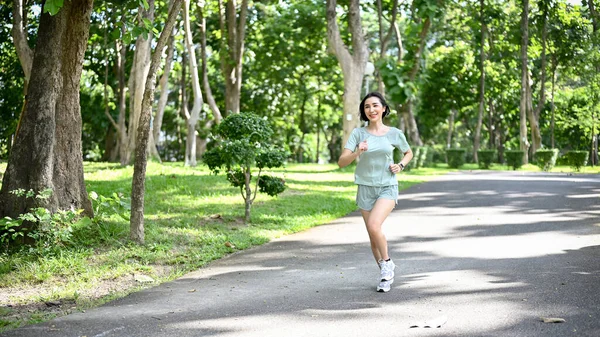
{"x": 191, "y": 219}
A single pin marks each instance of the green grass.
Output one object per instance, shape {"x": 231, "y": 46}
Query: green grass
{"x": 191, "y": 219}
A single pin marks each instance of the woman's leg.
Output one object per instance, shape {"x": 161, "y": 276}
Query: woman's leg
{"x": 374, "y": 220}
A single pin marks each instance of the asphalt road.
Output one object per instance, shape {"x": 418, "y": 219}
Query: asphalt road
{"x": 478, "y": 254}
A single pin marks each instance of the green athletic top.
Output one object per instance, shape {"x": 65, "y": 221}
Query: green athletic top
{"x": 373, "y": 168}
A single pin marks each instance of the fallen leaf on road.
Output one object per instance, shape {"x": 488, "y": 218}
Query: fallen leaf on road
{"x": 192, "y": 291}
{"x": 552, "y": 320}
{"x": 432, "y": 323}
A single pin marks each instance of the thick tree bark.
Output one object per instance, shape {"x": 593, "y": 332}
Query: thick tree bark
{"x": 233, "y": 30}
{"x": 353, "y": 65}
{"x": 524, "y": 144}
{"x": 143, "y": 132}
{"x": 47, "y": 150}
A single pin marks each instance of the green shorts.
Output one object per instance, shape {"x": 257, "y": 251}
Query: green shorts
{"x": 368, "y": 195}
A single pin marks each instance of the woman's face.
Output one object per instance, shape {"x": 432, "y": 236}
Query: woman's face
{"x": 374, "y": 109}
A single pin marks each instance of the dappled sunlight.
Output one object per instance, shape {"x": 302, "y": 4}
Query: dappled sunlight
{"x": 505, "y": 247}
{"x": 456, "y": 281}
{"x": 582, "y": 196}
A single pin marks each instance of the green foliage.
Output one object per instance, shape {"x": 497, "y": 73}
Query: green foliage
{"x": 246, "y": 127}
{"x": 546, "y": 158}
{"x": 105, "y": 207}
{"x": 237, "y": 178}
{"x": 49, "y": 231}
{"x": 514, "y": 158}
{"x": 53, "y": 6}
{"x": 486, "y": 158}
{"x": 456, "y": 157}
{"x": 271, "y": 185}
{"x": 576, "y": 159}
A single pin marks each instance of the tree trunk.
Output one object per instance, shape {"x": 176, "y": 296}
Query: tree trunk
{"x": 553, "y": 67}
{"x": 524, "y": 144}
{"x": 406, "y": 108}
{"x": 138, "y": 75}
{"x": 164, "y": 90}
{"x": 206, "y": 85}
{"x": 19, "y": 35}
{"x": 477, "y": 137}
{"x": 534, "y": 115}
{"x": 232, "y": 51}
{"x": 190, "y": 159}
{"x": 385, "y": 38}
{"x": 450, "y": 129}
{"x": 136, "y": 222}
{"x": 353, "y": 65}
{"x": 47, "y": 149}
{"x": 123, "y": 141}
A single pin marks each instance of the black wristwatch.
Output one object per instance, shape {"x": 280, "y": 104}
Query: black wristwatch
{"x": 401, "y": 166}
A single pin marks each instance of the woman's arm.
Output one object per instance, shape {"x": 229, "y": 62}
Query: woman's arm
{"x": 396, "y": 168}
{"x": 347, "y": 157}
{"x": 408, "y": 156}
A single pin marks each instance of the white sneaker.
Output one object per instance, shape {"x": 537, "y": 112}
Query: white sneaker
{"x": 387, "y": 270}
{"x": 385, "y": 286}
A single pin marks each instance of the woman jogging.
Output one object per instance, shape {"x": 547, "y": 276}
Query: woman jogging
{"x": 375, "y": 176}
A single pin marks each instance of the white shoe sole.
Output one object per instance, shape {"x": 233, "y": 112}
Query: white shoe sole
{"x": 384, "y": 290}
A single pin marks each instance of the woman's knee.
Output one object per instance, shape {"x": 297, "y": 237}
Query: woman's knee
{"x": 373, "y": 227}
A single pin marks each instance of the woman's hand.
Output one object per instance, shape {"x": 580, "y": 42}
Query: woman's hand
{"x": 363, "y": 146}
{"x": 395, "y": 168}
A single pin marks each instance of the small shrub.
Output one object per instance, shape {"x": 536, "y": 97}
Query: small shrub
{"x": 514, "y": 158}
{"x": 546, "y": 158}
{"x": 456, "y": 157}
{"x": 485, "y": 158}
{"x": 243, "y": 143}
{"x": 576, "y": 159}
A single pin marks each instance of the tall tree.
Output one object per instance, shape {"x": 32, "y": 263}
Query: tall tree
{"x": 47, "y": 148}
{"x": 138, "y": 187}
{"x": 352, "y": 64}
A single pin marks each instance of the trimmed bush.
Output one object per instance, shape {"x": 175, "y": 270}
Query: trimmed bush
{"x": 486, "y": 158}
{"x": 514, "y": 158}
{"x": 456, "y": 157}
{"x": 576, "y": 159}
{"x": 546, "y": 158}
